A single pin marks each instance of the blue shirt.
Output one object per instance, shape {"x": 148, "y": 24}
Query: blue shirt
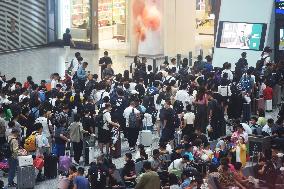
{"x": 81, "y": 182}
{"x": 190, "y": 156}
{"x": 81, "y": 73}
{"x": 208, "y": 67}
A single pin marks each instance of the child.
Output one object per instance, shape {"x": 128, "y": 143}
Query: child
{"x": 268, "y": 95}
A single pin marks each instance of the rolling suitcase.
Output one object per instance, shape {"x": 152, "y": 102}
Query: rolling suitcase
{"x": 26, "y": 177}
{"x": 115, "y": 150}
{"x": 146, "y": 137}
{"x": 177, "y": 136}
{"x": 268, "y": 105}
{"x": 89, "y": 154}
{"x": 50, "y": 166}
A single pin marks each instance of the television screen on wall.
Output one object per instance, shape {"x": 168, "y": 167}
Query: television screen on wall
{"x": 240, "y": 35}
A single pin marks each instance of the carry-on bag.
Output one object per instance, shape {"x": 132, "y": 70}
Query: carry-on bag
{"x": 50, "y": 166}
{"x": 89, "y": 154}
{"x": 26, "y": 177}
{"x": 64, "y": 162}
{"x": 25, "y": 160}
{"x": 146, "y": 137}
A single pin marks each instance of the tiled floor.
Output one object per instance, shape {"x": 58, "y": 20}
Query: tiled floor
{"x": 40, "y": 63}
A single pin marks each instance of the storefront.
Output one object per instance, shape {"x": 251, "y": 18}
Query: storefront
{"x": 92, "y": 21}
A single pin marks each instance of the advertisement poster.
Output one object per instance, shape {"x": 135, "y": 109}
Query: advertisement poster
{"x": 241, "y": 36}
{"x": 147, "y": 27}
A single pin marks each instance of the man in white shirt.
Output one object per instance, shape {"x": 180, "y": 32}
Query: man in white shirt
{"x": 179, "y": 164}
{"x": 266, "y": 130}
{"x": 132, "y": 132}
{"x": 183, "y": 96}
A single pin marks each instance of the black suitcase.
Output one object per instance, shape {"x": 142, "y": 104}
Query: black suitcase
{"x": 50, "y": 166}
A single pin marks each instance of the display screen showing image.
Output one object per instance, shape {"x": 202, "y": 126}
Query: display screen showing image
{"x": 248, "y": 36}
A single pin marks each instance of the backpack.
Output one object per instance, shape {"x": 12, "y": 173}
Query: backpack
{"x": 30, "y": 142}
{"x": 6, "y": 149}
{"x": 70, "y": 67}
{"x": 133, "y": 121}
{"x": 99, "y": 120}
{"x": 178, "y": 107}
{"x": 177, "y": 121}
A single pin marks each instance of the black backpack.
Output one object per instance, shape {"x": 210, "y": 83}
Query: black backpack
{"x": 178, "y": 107}
{"x": 133, "y": 121}
{"x": 99, "y": 120}
{"x": 6, "y": 149}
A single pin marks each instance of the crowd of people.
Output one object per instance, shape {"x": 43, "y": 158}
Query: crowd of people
{"x": 187, "y": 107}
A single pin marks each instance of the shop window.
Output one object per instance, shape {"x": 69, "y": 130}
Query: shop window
{"x": 80, "y": 20}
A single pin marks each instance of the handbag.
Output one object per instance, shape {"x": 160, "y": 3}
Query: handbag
{"x": 38, "y": 163}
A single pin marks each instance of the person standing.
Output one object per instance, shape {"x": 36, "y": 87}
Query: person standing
{"x": 13, "y": 160}
{"x": 105, "y": 131}
{"x": 104, "y": 61}
{"x": 76, "y": 132}
{"x": 67, "y": 41}
{"x": 131, "y": 114}
{"x": 149, "y": 179}
{"x": 82, "y": 76}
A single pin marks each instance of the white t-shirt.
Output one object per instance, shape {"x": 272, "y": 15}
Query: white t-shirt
{"x": 230, "y": 74}
{"x": 53, "y": 84}
{"x": 267, "y": 129}
{"x": 45, "y": 130}
{"x": 107, "y": 120}
{"x": 176, "y": 164}
{"x": 183, "y": 96}
{"x": 189, "y": 118}
{"x": 100, "y": 96}
{"x": 127, "y": 112}
{"x": 247, "y": 128}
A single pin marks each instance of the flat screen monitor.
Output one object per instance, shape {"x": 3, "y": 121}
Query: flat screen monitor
{"x": 240, "y": 35}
